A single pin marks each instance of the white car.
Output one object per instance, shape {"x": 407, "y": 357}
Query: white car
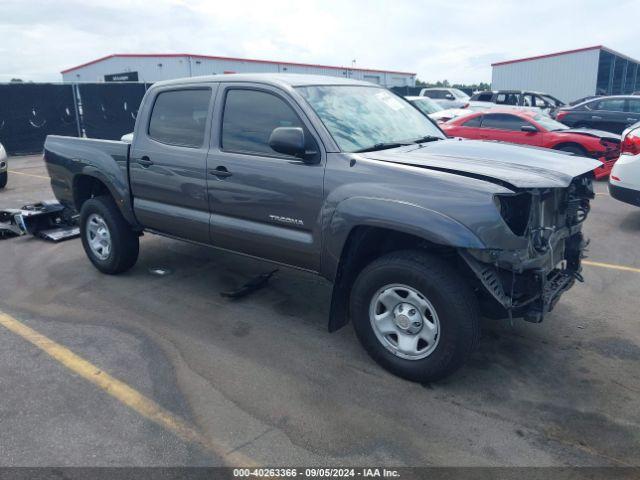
{"x": 446, "y": 97}
{"x": 435, "y": 111}
{"x": 624, "y": 180}
{"x": 4, "y": 173}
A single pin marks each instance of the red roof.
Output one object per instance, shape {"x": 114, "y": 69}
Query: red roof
{"x": 566, "y": 52}
{"x": 210, "y": 57}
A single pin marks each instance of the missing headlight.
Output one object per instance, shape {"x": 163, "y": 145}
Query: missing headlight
{"x": 515, "y": 211}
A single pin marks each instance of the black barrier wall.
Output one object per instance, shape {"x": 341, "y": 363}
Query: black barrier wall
{"x": 31, "y": 111}
{"x": 109, "y": 110}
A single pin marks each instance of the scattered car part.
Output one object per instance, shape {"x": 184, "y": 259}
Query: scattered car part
{"x": 48, "y": 220}
{"x": 256, "y": 283}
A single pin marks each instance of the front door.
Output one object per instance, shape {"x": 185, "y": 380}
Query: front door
{"x": 263, "y": 203}
{"x": 508, "y": 128}
{"x": 168, "y": 162}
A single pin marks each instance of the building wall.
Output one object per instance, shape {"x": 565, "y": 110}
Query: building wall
{"x": 567, "y": 77}
{"x": 153, "y": 69}
{"x": 617, "y": 75}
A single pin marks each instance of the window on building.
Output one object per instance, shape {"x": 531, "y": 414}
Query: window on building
{"x": 249, "y": 118}
{"x": 503, "y": 121}
{"x": 179, "y": 117}
{"x": 619, "y": 73}
{"x": 605, "y": 66}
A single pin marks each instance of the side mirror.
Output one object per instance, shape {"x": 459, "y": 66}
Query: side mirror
{"x": 528, "y": 128}
{"x": 288, "y": 140}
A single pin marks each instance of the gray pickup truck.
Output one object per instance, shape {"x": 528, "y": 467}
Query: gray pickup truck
{"x": 419, "y": 234}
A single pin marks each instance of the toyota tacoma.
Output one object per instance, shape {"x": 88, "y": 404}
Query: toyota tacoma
{"x": 419, "y": 234}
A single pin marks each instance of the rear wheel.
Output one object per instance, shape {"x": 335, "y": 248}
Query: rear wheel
{"x": 4, "y": 176}
{"x": 415, "y": 315}
{"x": 108, "y": 240}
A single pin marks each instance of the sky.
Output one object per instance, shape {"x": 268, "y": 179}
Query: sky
{"x": 454, "y": 40}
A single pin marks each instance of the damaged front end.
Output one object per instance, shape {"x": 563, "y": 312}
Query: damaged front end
{"x": 528, "y": 279}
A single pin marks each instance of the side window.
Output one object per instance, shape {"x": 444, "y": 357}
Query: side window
{"x": 439, "y": 94}
{"x": 611, "y": 105}
{"x": 634, "y": 105}
{"x": 503, "y": 121}
{"x": 249, "y": 118}
{"x": 179, "y": 117}
{"x": 473, "y": 122}
{"x": 539, "y": 102}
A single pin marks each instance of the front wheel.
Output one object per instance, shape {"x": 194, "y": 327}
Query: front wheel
{"x": 415, "y": 315}
{"x": 107, "y": 238}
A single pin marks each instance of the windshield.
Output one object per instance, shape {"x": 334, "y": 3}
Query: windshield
{"x": 426, "y": 105}
{"x": 549, "y": 123}
{"x": 460, "y": 94}
{"x": 361, "y": 117}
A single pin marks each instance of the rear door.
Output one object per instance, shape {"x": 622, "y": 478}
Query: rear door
{"x": 608, "y": 115}
{"x": 167, "y": 167}
{"x": 632, "y": 111}
{"x": 263, "y": 203}
{"x": 508, "y": 128}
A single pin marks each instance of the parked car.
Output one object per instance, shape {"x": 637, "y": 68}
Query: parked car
{"x": 435, "y": 111}
{"x": 4, "y": 167}
{"x": 611, "y": 114}
{"x": 529, "y": 128}
{"x": 419, "y": 234}
{"x": 624, "y": 181}
{"x": 446, "y": 97}
{"x": 539, "y": 101}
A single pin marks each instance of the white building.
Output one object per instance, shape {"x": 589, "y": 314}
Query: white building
{"x": 155, "y": 67}
{"x": 570, "y": 75}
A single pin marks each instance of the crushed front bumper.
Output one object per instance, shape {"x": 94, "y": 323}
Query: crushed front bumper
{"x": 517, "y": 286}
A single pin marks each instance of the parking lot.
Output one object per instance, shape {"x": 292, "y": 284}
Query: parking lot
{"x": 142, "y": 369}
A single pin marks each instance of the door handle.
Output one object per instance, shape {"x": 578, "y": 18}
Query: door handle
{"x": 145, "y": 162}
{"x": 595, "y": 117}
{"x": 221, "y": 172}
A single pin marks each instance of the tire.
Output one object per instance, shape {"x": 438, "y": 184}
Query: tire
{"x": 452, "y": 308}
{"x": 100, "y": 214}
{"x": 4, "y": 176}
{"x": 573, "y": 149}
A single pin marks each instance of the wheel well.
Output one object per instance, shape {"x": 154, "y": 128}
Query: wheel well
{"x": 86, "y": 187}
{"x": 364, "y": 245}
{"x": 570, "y": 144}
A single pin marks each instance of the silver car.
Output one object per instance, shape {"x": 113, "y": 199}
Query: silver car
{"x": 446, "y": 97}
{"x": 3, "y": 167}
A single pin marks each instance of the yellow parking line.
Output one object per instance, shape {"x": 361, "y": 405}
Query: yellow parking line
{"x": 28, "y": 174}
{"x": 121, "y": 391}
{"x": 611, "y": 266}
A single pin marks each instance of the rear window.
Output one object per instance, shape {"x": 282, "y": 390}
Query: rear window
{"x": 179, "y": 117}
{"x": 474, "y": 122}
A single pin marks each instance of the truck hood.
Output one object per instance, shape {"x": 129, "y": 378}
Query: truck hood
{"x": 516, "y": 165}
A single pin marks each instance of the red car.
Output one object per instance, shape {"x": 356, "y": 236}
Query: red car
{"x": 532, "y": 128}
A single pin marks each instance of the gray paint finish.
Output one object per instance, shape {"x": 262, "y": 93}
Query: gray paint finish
{"x": 301, "y": 214}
